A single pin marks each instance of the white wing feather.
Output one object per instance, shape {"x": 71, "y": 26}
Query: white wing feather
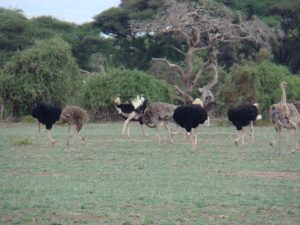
{"x": 138, "y": 101}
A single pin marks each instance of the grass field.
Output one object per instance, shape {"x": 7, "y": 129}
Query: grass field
{"x": 112, "y": 180}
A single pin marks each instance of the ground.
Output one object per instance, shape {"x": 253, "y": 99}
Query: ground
{"x": 113, "y": 180}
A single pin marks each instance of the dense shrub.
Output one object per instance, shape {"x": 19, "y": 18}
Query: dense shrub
{"x": 101, "y": 90}
{"x": 46, "y": 71}
{"x": 268, "y": 77}
{"x": 256, "y": 83}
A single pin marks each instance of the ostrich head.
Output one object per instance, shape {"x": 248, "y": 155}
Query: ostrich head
{"x": 283, "y": 84}
{"x": 198, "y": 102}
{"x": 117, "y": 101}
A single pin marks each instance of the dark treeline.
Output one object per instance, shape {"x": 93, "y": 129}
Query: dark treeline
{"x": 46, "y": 59}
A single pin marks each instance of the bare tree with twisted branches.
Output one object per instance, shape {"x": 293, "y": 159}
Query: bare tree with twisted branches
{"x": 201, "y": 28}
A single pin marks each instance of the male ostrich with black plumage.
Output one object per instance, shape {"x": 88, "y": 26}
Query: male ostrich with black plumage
{"x": 74, "y": 115}
{"x": 242, "y": 116}
{"x": 189, "y": 117}
{"x": 46, "y": 114}
{"x": 131, "y": 111}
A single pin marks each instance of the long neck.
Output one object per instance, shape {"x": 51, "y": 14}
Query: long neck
{"x": 283, "y": 97}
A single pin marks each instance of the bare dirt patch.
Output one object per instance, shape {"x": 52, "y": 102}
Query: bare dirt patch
{"x": 80, "y": 218}
{"x": 287, "y": 175}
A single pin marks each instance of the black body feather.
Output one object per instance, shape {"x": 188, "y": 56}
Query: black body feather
{"x": 45, "y": 113}
{"x": 126, "y": 108}
{"x": 189, "y": 116}
{"x": 242, "y": 115}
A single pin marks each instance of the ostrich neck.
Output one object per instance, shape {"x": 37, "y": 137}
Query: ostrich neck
{"x": 283, "y": 97}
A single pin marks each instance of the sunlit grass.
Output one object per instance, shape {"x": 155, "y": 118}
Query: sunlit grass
{"x": 113, "y": 180}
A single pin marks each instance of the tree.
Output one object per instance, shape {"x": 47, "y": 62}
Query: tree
{"x": 46, "y": 71}
{"x": 201, "y": 29}
{"x": 15, "y": 33}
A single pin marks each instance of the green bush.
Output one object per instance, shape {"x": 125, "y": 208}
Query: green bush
{"x": 268, "y": 77}
{"x": 101, "y": 90}
{"x": 46, "y": 71}
{"x": 256, "y": 83}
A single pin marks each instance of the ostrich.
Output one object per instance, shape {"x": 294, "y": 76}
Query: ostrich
{"x": 76, "y": 116}
{"x": 46, "y": 114}
{"x": 131, "y": 111}
{"x": 241, "y": 117}
{"x": 189, "y": 117}
{"x": 284, "y": 115}
{"x": 158, "y": 114}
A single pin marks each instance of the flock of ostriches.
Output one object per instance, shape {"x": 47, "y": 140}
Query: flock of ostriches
{"x": 189, "y": 117}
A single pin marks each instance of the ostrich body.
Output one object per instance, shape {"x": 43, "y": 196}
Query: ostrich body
{"x": 242, "y": 116}
{"x": 189, "y": 117}
{"x": 131, "y": 111}
{"x": 285, "y": 115}
{"x": 46, "y": 114}
{"x": 76, "y": 116}
{"x": 158, "y": 114}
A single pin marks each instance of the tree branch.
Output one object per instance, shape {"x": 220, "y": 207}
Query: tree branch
{"x": 179, "y": 71}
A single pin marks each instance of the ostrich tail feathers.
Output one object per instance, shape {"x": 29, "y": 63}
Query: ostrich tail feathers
{"x": 259, "y": 117}
{"x": 138, "y": 101}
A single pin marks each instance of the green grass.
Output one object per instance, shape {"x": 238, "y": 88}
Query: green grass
{"x": 112, "y": 180}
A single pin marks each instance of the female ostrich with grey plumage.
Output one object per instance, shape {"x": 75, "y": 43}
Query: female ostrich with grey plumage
{"x": 285, "y": 115}
{"x": 74, "y": 115}
{"x": 158, "y": 114}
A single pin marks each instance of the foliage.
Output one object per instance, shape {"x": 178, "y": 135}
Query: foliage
{"x": 15, "y": 33}
{"x": 238, "y": 87}
{"x": 257, "y": 83}
{"x": 46, "y": 71}
{"x": 113, "y": 22}
{"x": 277, "y": 13}
{"x": 268, "y": 77}
{"x": 92, "y": 51}
{"x": 101, "y": 90}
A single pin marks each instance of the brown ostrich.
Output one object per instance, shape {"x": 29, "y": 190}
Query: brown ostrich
{"x": 158, "y": 114}
{"x": 76, "y": 116}
{"x": 296, "y": 103}
{"x": 285, "y": 115}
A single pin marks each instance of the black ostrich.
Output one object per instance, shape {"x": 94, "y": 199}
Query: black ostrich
{"x": 242, "y": 116}
{"x": 45, "y": 114}
{"x": 131, "y": 111}
{"x": 189, "y": 117}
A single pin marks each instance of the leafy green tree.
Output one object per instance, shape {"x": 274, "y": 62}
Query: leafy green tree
{"x": 46, "y": 71}
{"x": 289, "y": 54}
{"x": 15, "y": 33}
{"x": 47, "y": 27}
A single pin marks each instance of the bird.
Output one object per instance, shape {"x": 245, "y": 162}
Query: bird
{"x": 47, "y": 115}
{"x": 131, "y": 111}
{"x": 76, "y": 116}
{"x": 157, "y": 114}
{"x": 242, "y": 116}
{"x": 189, "y": 117}
{"x": 285, "y": 115}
